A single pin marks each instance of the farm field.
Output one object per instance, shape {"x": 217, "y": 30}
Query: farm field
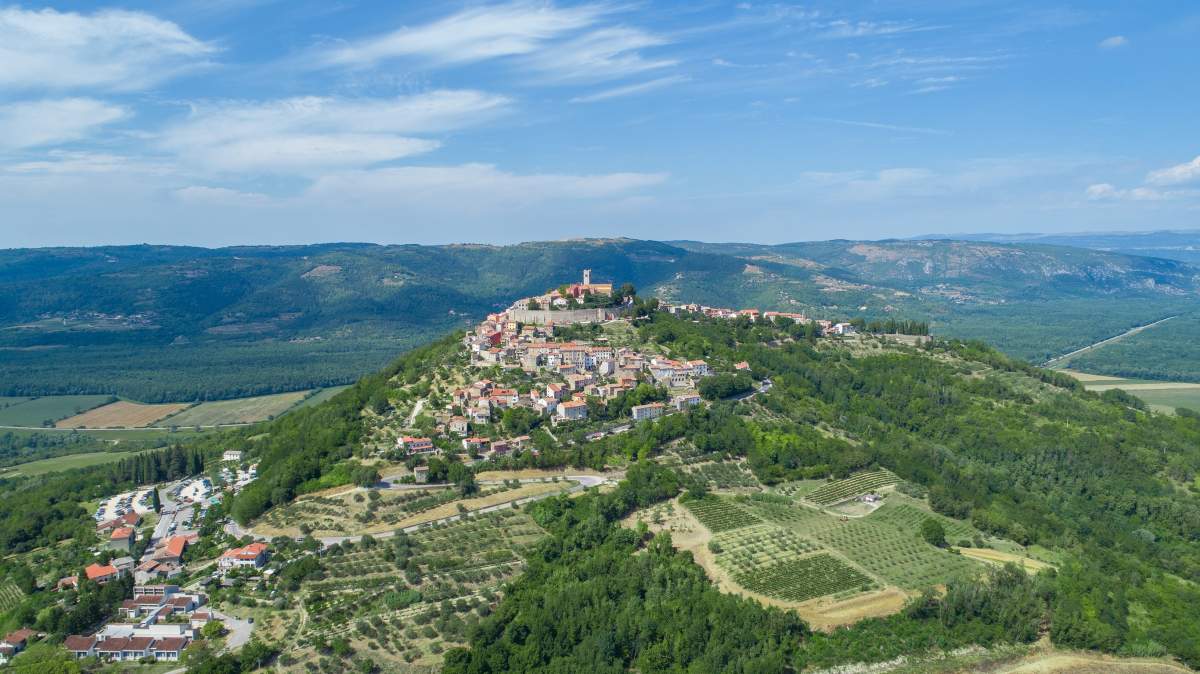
{"x": 804, "y": 578}
{"x": 718, "y": 514}
{"x": 321, "y": 396}
{"x": 1161, "y": 396}
{"x": 724, "y": 475}
{"x": 404, "y": 600}
{"x": 236, "y": 411}
{"x": 859, "y": 483}
{"x": 10, "y": 595}
{"x": 121, "y": 414}
{"x": 34, "y": 412}
{"x": 66, "y": 462}
{"x": 373, "y": 511}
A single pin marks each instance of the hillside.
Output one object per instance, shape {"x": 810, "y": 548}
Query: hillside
{"x": 220, "y": 323}
{"x": 1183, "y": 245}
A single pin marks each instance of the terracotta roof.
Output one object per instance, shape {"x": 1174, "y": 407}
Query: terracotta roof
{"x": 95, "y": 571}
{"x": 247, "y": 553}
{"x": 176, "y": 545}
{"x": 113, "y": 645}
{"x": 20, "y": 636}
{"x": 78, "y": 643}
{"x": 122, "y": 532}
{"x": 170, "y": 644}
{"x": 139, "y": 643}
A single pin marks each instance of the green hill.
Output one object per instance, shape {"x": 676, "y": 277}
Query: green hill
{"x": 160, "y": 323}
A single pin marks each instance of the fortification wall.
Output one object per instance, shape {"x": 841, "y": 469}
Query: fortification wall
{"x": 563, "y": 317}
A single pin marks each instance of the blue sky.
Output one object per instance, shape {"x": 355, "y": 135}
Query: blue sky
{"x": 216, "y": 122}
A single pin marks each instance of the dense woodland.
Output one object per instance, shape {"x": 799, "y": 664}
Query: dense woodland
{"x": 1162, "y": 352}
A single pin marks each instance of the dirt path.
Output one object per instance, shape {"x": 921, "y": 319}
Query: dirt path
{"x": 998, "y": 557}
{"x": 1087, "y": 663}
{"x": 1066, "y": 357}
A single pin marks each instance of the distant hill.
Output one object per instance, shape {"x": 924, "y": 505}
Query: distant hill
{"x": 181, "y": 323}
{"x": 1181, "y": 245}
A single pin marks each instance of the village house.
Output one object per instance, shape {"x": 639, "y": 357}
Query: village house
{"x": 99, "y": 573}
{"x": 232, "y": 455}
{"x": 458, "y": 425}
{"x": 122, "y": 539}
{"x": 473, "y": 444}
{"x": 647, "y": 411}
{"x": 572, "y": 410}
{"x": 420, "y": 474}
{"x": 252, "y": 556}
{"x": 14, "y": 643}
{"x": 683, "y": 401}
{"x": 413, "y": 445}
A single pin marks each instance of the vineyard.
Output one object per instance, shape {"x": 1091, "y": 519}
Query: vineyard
{"x": 718, "y": 514}
{"x": 855, "y": 485}
{"x": 746, "y": 549}
{"x": 407, "y": 598}
{"x": 10, "y": 595}
{"x": 804, "y": 578}
{"x": 896, "y": 555}
{"x": 909, "y": 517}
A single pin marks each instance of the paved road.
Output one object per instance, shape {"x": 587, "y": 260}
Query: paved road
{"x": 239, "y": 631}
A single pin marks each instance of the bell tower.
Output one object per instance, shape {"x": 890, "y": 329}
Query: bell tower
{"x": 587, "y": 277}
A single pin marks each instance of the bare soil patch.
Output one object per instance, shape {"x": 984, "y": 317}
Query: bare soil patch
{"x": 121, "y": 414}
{"x": 990, "y": 555}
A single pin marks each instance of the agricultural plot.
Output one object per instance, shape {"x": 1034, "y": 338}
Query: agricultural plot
{"x": 860, "y": 483}
{"x": 237, "y": 411}
{"x": 723, "y": 475}
{"x": 718, "y": 514}
{"x": 909, "y": 517}
{"x": 38, "y": 411}
{"x": 404, "y": 600}
{"x": 121, "y": 414}
{"x": 898, "y": 556}
{"x": 783, "y": 510}
{"x": 10, "y": 595}
{"x": 749, "y": 548}
{"x": 805, "y": 578}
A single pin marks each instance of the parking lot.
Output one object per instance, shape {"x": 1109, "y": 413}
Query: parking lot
{"x": 138, "y": 501}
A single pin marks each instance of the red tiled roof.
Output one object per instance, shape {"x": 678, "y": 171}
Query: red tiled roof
{"x": 122, "y": 532}
{"x": 95, "y": 571}
{"x": 176, "y": 545}
{"x": 247, "y": 553}
{"x": 139, "y": 643}
{"x": 18, "y": 637}
{"x": 113, "y": 645}
{"x": 79, "y": 644}
{"x": 170, "y": 644}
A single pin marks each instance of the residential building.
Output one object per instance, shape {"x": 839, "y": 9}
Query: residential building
{"x": 647, "y": 411}
{"x": 253, "y": 556}
{"x": 14, "y": 643}
{"x": 572, "y": 410}
{"x": 458, "y": 425}
{"x": 101, "y": 573}
{"x": 232, "y": 455}
{"x": 122, "y": 539}
{"x": 683, "y": 401}
{"x": 413, "y": 445}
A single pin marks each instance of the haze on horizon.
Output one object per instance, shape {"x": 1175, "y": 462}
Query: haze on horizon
{"x": 258, "y": 121}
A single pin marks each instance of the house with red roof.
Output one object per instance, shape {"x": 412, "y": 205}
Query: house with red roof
{"x": 122, "y": 539}
{"x": 253, "y": 556}
{"x": 14, "y": 643}
{"x": 101, "y": 573}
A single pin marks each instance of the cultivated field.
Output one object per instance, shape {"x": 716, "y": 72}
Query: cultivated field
{"x": 121, "y": 414}
{"x": 855, "y": 485}
{"x": 10, "y": 595}
{"x": 67, "y": 462}
{"x": 358, "y": 511}
{"x": 724, "y": 475}
{"x": 237, "y": 411}
{"x": 37, "y": 411}
{"x": 1161, "y": 396}
{"x": 404, "y": 600}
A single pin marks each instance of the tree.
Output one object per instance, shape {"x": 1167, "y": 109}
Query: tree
{"x": 44, "y": 658}
{"x": 933, "y": 532}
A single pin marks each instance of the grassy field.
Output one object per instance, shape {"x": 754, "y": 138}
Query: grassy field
{"x": 321, "y": 396}
{"x": 237, "y": 411}
{"x": 10, "y": 595}
{"x": 65, "y": 463}
{"x": 121, "y": 414}
{"x": 1161, "y": 396}
{"x": 36, "y": 411}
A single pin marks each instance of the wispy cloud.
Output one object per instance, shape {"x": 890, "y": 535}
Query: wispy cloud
{"x": 852, "y": 29}
{"x": 883, "y": 126}
{"x": 631, "y": 89}
{"x": 471, "y": 35}
{"x": 114, "y": 50}
{"x": 50, "y": 122}
{"x": 602, "y": 54}
{"x": 219, "y": 196}
{"x": 1187, "y": 172}
{"x": 303, "y": 135}
{"x": 1114, "y": 42}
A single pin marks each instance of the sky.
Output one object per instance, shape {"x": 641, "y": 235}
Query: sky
{"x": 228, "y": 122}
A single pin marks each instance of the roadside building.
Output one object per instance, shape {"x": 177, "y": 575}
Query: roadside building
{"x": 122, "y": 539}
{"x": 572, "y": 410}
{"x": 252, "y": 556}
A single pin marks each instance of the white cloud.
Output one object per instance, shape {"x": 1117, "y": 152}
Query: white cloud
{"x": 219, "y": 196}
{"x": 111, "y": 49}
{"x": 882, "y": 126}
{"x": 312, "y": 134}
{"x": 471, "y": 35}
{"x": 474, "y": 186}
{"x": 1114, "y": 42}
{"x": 48, "y": 122}
{"x": 631, "y": 89}
{"x": 844, "y": 29}
{"x": 1180, "y": 174}
{"x": 1109, "y": 192}
{"x": 62, "y": 162}
{"x": 602, "y": 54}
